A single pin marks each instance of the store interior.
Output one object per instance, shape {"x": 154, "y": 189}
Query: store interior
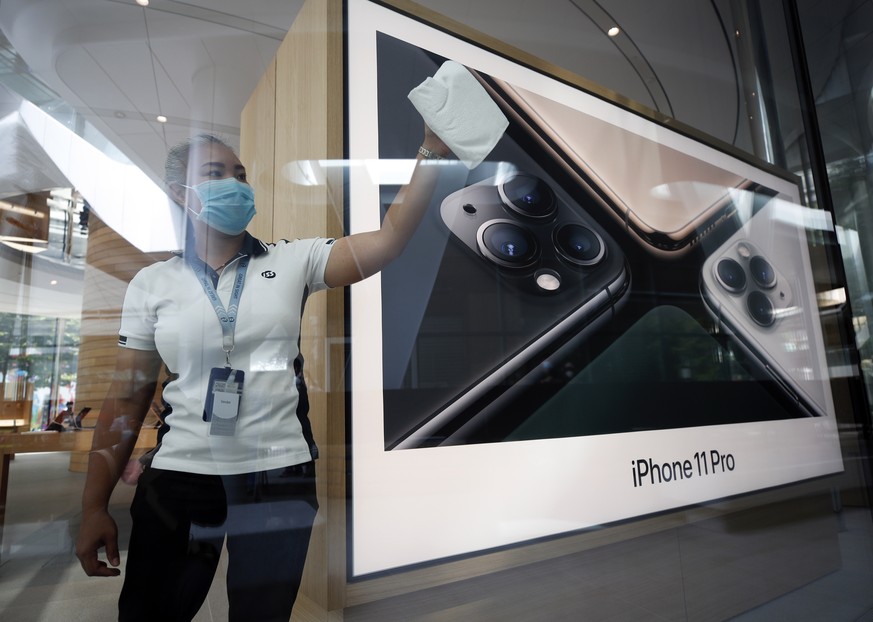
{"x": 93, "y": 92}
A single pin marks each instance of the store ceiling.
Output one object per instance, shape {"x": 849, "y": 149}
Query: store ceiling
{"x": 207, "y": 56}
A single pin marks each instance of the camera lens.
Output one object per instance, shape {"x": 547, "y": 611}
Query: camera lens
{"x": 507, "y": 243}
{"x": 761, "y": 309}
{"x": 731, "y": 275}
{"x": 580, "y": 245}
{"x": 528, "y": 195}
{"x": 762, "y": 272}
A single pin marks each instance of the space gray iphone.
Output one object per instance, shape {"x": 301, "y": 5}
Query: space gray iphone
{"x": 507, "y": 266}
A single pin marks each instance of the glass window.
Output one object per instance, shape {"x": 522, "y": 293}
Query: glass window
{"x": 621, "y": 368}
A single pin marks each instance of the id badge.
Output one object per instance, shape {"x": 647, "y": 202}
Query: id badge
{"x": 223, "y": 396}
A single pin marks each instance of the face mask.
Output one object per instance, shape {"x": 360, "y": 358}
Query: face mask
{"x": 228, "y": 205}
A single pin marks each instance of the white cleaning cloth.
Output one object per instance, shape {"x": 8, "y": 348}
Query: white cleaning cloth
{"x": 459, "y": 110}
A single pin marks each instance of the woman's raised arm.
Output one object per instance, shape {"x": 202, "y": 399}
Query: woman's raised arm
{"x": 358, "y": 256}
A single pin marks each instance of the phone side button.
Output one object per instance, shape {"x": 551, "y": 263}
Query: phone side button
{"x": 783, "y": 385}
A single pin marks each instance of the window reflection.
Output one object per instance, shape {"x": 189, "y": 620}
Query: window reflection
{"x": 43, "y": 243}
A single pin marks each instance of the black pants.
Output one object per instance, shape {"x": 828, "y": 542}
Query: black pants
{"x": 179, "y": 524}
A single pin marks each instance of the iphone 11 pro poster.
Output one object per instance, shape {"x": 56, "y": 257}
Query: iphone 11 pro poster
{"x": 568, "y": 318}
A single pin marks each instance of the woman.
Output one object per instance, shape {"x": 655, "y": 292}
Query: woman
{"x": 235, "y": 456}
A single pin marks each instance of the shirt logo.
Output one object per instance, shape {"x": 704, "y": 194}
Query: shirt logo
{"x": 268, "y": 274}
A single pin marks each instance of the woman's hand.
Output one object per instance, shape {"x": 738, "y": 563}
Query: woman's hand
{"x": 434, "y": 143}
{"x": 115, "y": 434}
{"x": 98, "y": 530}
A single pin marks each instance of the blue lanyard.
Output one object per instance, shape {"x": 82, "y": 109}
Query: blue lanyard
{"x": 227, "y": 317}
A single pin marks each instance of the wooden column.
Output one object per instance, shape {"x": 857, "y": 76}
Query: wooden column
{"x": 111, "y": 263}
{"x": 296, "y": 115}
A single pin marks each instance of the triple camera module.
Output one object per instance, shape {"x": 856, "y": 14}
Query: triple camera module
{"x": 750, "y": 271}
{"x": 523, "y": 225}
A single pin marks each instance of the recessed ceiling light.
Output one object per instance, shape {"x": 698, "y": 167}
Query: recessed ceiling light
{"x": 162, "y": 118}
{"x": 142, "y": 2}
{"x": 55, "y": 281}
{"x": 612, "y": 32}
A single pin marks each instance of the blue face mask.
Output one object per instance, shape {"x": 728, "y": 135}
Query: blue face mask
{"x": 228, "y": 205}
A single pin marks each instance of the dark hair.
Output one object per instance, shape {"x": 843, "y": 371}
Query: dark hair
{"x": 176, "y": 164}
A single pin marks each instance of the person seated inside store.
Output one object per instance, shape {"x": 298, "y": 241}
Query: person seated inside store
{"x": 57, "y": 424}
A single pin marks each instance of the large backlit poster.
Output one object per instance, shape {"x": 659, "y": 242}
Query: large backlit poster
{"x": 604, "y": 320}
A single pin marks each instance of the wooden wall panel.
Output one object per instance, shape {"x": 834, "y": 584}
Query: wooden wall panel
{"x": 111, "y": 263}
{"x": 304, "y": 85}
{"x": 257, "y": 150}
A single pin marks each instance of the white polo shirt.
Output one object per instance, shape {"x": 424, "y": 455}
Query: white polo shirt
{"x": 166, "y": 309}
